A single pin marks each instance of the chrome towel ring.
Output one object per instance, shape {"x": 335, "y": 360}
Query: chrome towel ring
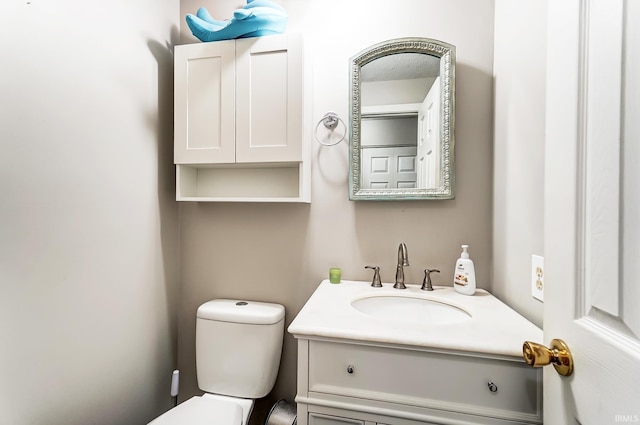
{"x": 330, "y": 122}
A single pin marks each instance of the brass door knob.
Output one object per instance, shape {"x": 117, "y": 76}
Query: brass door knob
{"x": 537, "y": 355}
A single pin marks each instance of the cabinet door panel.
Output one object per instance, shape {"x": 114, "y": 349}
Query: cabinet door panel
{"x": 317, "y": 419}
{"x": 269, "y": 99}
{"x": 205, "y": 103}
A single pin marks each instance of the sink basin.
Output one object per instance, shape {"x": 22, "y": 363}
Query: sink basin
{"x": 405, "y": 309}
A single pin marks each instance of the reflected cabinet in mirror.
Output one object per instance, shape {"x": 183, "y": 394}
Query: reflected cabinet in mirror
{"x": 402, "y": 104}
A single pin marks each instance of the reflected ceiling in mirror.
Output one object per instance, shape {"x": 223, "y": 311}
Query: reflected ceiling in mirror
{"x": 402, "y": 121}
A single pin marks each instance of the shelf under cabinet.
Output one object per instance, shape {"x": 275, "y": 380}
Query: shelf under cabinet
{"x": 262, "y": 182}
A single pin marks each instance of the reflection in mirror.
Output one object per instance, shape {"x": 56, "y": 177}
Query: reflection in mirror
{"x": 402, "y": 106}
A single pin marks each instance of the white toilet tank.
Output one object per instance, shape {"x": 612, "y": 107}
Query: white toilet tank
{"x": 238, "y": 347}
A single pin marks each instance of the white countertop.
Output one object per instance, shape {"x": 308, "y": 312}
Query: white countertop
{"x": 494, "y": 328}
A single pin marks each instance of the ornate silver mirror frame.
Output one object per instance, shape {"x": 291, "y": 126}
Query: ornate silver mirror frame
{"x": 443, "y": 188}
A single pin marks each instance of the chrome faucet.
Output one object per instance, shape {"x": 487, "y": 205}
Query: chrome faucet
{"x": 403, "y": 260}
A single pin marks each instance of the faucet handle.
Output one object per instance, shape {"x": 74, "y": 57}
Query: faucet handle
{"x": 426, "y": 282}
{"x": 376, "y": 283}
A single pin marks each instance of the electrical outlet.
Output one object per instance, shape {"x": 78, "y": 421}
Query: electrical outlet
{"x": 537, "y": 277}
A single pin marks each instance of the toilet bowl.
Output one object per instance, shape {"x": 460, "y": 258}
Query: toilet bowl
{"x": 202, "y": 410}
{"x": 238, "y": 349}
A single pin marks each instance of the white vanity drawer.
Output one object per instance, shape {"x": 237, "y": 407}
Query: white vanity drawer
{"x": 467, "y": 384}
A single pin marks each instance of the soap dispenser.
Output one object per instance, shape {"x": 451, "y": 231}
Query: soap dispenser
{"x": 464, "y": 279}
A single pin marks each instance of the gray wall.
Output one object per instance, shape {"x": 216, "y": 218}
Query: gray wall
{"x": 88, "y": 225}
{"x": 280, "y": 253}
{"x": 518, "y": 200}
{"x": 89, "y": 245}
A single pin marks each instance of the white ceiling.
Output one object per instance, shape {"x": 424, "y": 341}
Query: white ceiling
{"x": 400, "y": 67}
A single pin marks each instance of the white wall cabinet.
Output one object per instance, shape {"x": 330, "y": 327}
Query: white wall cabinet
{"x": 345, "y": 383}
{"x": 240, "y": 117}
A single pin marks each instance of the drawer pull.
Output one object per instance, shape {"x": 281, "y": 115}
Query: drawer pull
{"x": 350, "y": 369}
{"x": 492, "y": 387}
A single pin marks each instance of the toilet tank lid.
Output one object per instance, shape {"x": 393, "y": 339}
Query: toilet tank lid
{"x": 239, "y": 311}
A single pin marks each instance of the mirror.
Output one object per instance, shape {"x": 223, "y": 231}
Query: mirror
{"x": 402, "y": 106}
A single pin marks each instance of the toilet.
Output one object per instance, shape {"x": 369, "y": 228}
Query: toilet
{"x": 238, "y": 348}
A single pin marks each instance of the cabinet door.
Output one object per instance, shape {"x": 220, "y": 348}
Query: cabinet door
{"x": 205, "y": 103}
{"x": 318, "y": 419}
{"x": 269, "y": 86}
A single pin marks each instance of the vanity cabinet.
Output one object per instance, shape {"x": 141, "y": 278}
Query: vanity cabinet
{"x": 427, "y": 367}
{"x": 346, "y": 382}
{"x": 239, "y": 121}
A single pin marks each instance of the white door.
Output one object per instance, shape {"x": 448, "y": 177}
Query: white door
{"x": 429, "y": 138}
{"x": 389, "y": 168}
{"x": 592, "y": 210}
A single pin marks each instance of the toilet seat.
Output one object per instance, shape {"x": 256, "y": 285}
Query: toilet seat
{"x": 202, "y": 411}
